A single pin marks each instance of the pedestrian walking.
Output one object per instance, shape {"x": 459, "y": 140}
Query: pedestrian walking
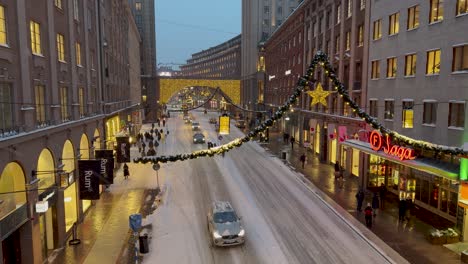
{"x": 375, "y": 204}
{"x": 401, "y": 210}
{"x": 126, "y": 172}
{"x": 139, "y": 145}
{"x": 292, "y": 142}
{"x": 303, "y": 159}
{"x": 382, "y": 194}
{"x": 164, "y": 122}
{"x": 143, "y": 146}
{"x": 167, "y": 132}
{"x": 159, "y": 122}
{"x": 152, "y": 125}
{"x": 368, "y": 215}
{"x": 409, "y": 207}
{"x": 360, "y": 199}
{"x": 337, "y": 171}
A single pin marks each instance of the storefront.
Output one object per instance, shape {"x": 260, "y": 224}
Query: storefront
{"x": 430, "y": 184}
{"x": 113, "y": 127}
{"x": 70, "y": 199}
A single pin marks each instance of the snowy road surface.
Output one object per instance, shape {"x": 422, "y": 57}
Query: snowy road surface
{"x": 285, "y": 221}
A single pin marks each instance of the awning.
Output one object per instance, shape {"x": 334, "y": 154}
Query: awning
{"x": 432, "y": 166}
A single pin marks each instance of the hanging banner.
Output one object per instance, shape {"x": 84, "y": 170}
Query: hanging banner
{"x": 89, "y": 174}
{"x": 342, "y": 133}
{"x": 224, "y": 125}
{"x": 123, "y": 149}
{"x": 331, "y": 131}
{"x": 106, "y": 156}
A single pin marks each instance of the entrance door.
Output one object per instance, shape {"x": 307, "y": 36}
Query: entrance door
{"x": 11, "y": 249}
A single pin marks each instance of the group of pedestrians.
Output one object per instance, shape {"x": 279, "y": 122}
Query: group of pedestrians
{"x": 378, "y": 200}
{"x": 152, "y": 139}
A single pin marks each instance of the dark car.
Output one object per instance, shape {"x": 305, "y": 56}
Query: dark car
{"x": 198, "y": 138}
{"x": 213, "y": 120}
{"x": 240, "y": 123}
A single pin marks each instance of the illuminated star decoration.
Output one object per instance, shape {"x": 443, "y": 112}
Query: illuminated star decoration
{"x": 319, "y": 95}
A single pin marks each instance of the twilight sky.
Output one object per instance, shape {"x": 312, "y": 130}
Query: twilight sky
{"x": 184, "y": 27}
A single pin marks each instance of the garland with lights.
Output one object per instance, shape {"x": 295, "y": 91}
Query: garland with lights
{"x": 303, "y": 84}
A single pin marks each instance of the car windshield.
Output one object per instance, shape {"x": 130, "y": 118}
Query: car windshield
{"x": 224, "y": 217}
{"x": 198, "y": 136}
{"x": 195, "y": 123}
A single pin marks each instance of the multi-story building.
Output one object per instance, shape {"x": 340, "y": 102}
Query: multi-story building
{"x": 57, "y": 102}
{"x": 418, "y": 87}
{"x": 259, "y": 19}
{"x": 221, "y": 61}
{"x": 144, "y": 14}
{"x": 134, "y": 74}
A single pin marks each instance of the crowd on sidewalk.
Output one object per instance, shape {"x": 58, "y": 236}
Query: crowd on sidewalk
{"x": 152, "y": 138}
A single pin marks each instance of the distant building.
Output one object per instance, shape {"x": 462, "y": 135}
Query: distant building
{"x": 221, "y": 61}
{"x": 167, "y": 71}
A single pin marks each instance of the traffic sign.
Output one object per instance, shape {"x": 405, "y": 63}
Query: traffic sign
{"x": 220, "y": 137}
{"x": 156, "y": 166}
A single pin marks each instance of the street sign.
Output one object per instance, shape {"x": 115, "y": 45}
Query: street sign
{"x": 220, "y": 137}
{"x": 135, "y": 222}
{"x": 156, "y": 167}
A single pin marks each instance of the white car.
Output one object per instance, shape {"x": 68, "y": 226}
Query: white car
{"x": 224, "y": 225}
{"x": 195, "y": 125}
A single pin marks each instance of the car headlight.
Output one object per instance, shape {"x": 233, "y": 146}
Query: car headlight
{"x": 216, "y": 235}
{"x": 194, "y": 139}
{"x": 242, "y": 232}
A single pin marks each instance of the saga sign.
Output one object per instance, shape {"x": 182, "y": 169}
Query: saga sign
{"x": 377, "y": 143}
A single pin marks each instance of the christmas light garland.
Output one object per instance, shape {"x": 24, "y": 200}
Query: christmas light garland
{"x": 303, "y": 83}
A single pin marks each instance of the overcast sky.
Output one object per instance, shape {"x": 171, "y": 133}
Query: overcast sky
{"x": 184, "y": 27}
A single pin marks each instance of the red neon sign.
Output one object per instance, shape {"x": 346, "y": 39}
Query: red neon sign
{"x": 377, "y": 142}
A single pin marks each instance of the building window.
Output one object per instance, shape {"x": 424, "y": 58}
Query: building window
{"x": 58, "y": 3}
{"x": 456, "y": 114}
{"x": 462, "y": 7}
{"x": 460, "y": 58}
{"x": 363, "y": 4}
{"x": 433, "y": 62}
{"x": 436, "y": 11}
{"x": 410, "y": 65}
{"x": 377, "y": 34}
{"x": 266, "y": 10}
{"x": 375, "y": 74}
{"x": 279, "y": 10}
{"x": 360, "y": 37}
{"x": 407, "y": 114}
{"x": 64, "y": 103}
{"x": 337, "y": 44}
{"x": 349, "y": 9}
{"x": 391, "y": 67}
{"x": 348, "y": 40}
{"x": 389, "y": 109}
{"x": 35, "y": 38}
{"x": 6, "y": 106}
{"x": 278, "y": 22}
{"x": 413, "y": 17}
{"x": 60, "y": 48}
{"x": 78, "y": 53}
{"x": 266, "y": 22}
{"x": 430, "y": 113}
{"x": 3, "y": 32}
{"x": 338, "y": 14}
{"x": 373, "y": 109}
{"x": 76, "y": 14}
{"x": 138, "y": 6}
{"x": 81, "y": 101}
{"x": 394, "y": 24}
{"x": 40, "y": 105}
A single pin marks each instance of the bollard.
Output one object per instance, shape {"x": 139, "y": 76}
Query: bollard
{"x": 143, "y": 240}
{"x": 74, "y": 241}
{"x": 283, "y": 155}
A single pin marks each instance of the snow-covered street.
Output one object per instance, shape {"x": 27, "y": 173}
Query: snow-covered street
{"x": 285, "y": 221}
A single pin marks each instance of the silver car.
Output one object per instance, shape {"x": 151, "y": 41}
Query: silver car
{"x": 224, "y": 225}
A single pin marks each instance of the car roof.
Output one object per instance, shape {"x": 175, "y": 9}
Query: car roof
{"x": 198, "y": 134}
{"x": 222, "y": 206}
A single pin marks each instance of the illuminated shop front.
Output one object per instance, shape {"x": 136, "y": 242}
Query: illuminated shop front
{"x": 317, "y": 139}
{"x": 112, "y": 129}
{"x": 70, "y": 195}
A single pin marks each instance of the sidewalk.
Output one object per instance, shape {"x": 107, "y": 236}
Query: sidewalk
{"x": 407, "y": 238}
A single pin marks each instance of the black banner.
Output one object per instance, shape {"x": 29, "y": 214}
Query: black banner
{"x": 123, "y": 149}
{"x": 106, "y": 156}
{"x": 89, "y": 174}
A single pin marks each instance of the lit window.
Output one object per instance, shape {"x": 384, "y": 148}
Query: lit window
{"x": 391, "y": 67}
{"x": 373, "y": 110}
{"x": 349, "y": 9}
{"x": 348, "y": 40}
{"x": 394, "y": 24}
{"x": 460, "y": 58}
{"x": 433, "y": 62}
{"x": 363, "y": 4}
{"x": 360, "y": 37}
{"x": 377, "y": 29}
{"x": 58, "y": 3}
{"x": 456, "y": 114}
{"x": 337, "y": 44}
{"x": 338, "y": 14}
{"x": 413, "y": 17}
{"x": 60, "y": 48}
{"x": 430, "y": 113}
{"x": 437, "y": 11}
{"x": 375, "y": 74}
{"x": 389, "y": 109}
{"x": 64, "y": 103}
{"x": 410, "y": 65}
{"x": 40, "y": 105}
{"x": 35, "y": 30}
{"x": 81, "y": 101}
{"x": 462, "y": 7}
{"x": 3, "y": 32}
{"x": 78, "y": 53}
{"x": 407, "y": 115}
{"x": 76, "y": 14}
{"x": 138, "y": 6}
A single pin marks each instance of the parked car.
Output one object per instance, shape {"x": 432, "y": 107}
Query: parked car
{"x": 195, "y": 125}
{"x": 198, "y": 138}
{"x": 240, "y": 123}
{"x": 224, "y": 225}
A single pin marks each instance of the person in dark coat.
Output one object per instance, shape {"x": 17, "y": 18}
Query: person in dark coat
{"x": 360, "y": 199}
{"x": 375, "y": 203}
{"x": 401, "y": 210}
{"x": 382, "y": 194}
{"x": 126, "y": 172}
{"x": 303, "y": 159}
{"x": 292, "y": 142}
{"x": 337, "y": 171}
{"x": 368, "y": 215}
{"x": 409, "y": 206}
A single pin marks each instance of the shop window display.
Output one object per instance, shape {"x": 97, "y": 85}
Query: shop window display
{"x": 425, "y": 191}
{"x": 444, "y": 200}
{"x": 376, "y": 171}
{"x": 453, "y": 204}
{"x": 434, "y": 198}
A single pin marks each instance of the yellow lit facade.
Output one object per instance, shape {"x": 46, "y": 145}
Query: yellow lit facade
{"x": 12, "y": 180}
{"x": 433, "y": 62}
{"x": 69, "y": 199}
{"x": 78, "y": 53}
{"x": 45, "y": 170}
{"x": 35, "y": 30}
{"x": 3, "y": 31}
{"x": 112, "y": 128}
{"x": 60, "y": 48}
